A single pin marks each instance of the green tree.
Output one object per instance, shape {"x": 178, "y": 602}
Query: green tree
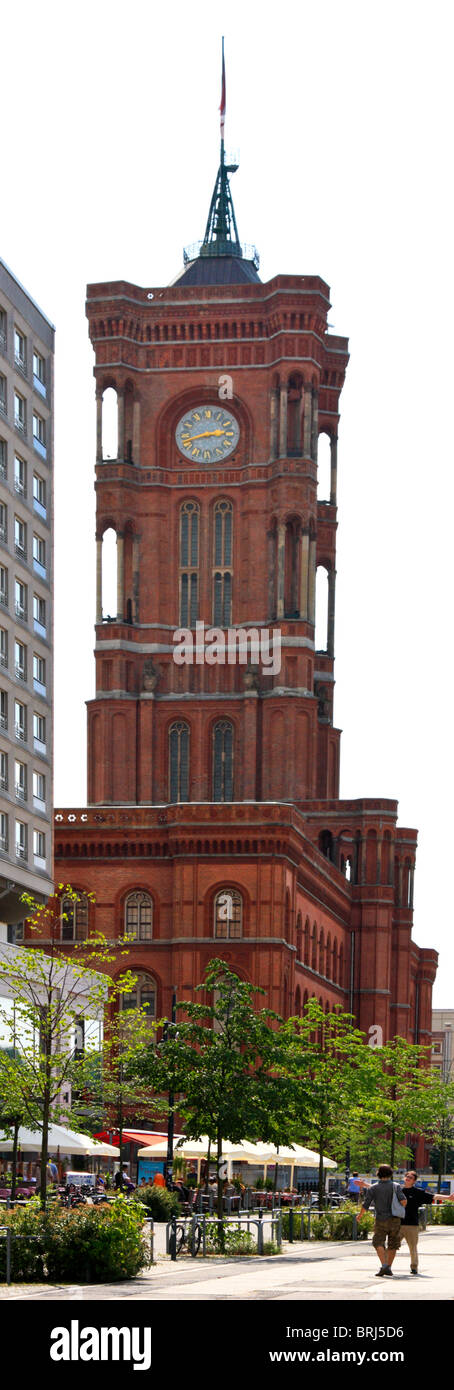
{"x": 51, "y": 991}
{"x": 219, "y": 1062}
{"x": 17, "y": 1105}
{"x": 325, "y": 1057}
{"x": 406, "y": 1098}
{"x": 106, "y": 1084}
{"x": 439, "y": 1129}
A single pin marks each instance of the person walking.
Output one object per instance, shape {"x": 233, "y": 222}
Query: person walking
{"x": 409, "y": 1230}
{"x": 382, "y": 1195}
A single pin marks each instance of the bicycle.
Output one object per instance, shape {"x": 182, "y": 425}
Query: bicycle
{"x": 186, "y": 1235}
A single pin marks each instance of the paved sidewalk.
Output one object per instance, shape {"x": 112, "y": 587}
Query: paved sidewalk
{"x": 321, "y": 1272}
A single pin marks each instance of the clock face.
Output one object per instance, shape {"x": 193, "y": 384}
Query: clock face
{"x": 207, "y": 434}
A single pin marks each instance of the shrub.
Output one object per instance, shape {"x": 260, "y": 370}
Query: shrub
{"x": 235, "y": 1241}
{"x": 447, "y": 1214}
{"x": 328, "y": 1225}
{"x": 159, "y": 1202}
{"x": 86, "y": 1244}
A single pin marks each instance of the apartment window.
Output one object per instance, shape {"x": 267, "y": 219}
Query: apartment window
{"x": 20, "y": 660}
{"x": 20, "y": 476}
{"x": 139, "y": 917}
{"x": 39, "y": 373}
{"x": 39, "y": 495}
{"x": 39, "y": 433}
{"x": 3, "y": 646}
{"x": 39, "y": 555}
{"x": 4, "y": 771}
{"x": 15, "y": 933}
{"x": 20, "y": 716}
{"x": 39, "y": 791}
{"x": 20, "y": 537}
{"x": 3, "y": 459}
{"x": 39, "y": 674}
{"x": 3, "y": 831}
{"x": 39, "y": 848}
{"x": 21, "y": 840}
{"x": 20, "y": 414}
{"x": 39, "y": 615}
{"x": 2, "y": 329}
{"x": 3, "y": 522}
{"x": 3, "y": 709}
{"x": 39, "y": 732}
{"x": 3, "y": 396}
{"x": 228, "y": 914}
{"x": 21, "y": 606}
{"x": 20, "y": 350}
{"x": 20, "y": 780}
{"x": 3, "y": 586}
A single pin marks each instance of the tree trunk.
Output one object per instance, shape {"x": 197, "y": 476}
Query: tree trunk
{"x": 321, "y": 1193}
{"x": 207, "y": 1170}
{"x": 220, "y": 1211}
{"x": 14, "y": 1159}
{"x": 393, "y": 1147}
{"x": 46, "y": 1117}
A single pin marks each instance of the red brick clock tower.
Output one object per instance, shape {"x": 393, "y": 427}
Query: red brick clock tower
{"x": 213, "y": 823}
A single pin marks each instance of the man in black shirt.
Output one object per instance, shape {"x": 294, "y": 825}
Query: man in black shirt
{"x": 409, "y": 1231}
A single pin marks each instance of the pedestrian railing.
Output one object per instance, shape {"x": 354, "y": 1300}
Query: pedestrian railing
{"x": 196, "y": 1231}
{"x": 7, "y": 1233}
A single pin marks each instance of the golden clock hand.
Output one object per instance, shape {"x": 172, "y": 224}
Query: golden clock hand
{"x": 205, "y": 435}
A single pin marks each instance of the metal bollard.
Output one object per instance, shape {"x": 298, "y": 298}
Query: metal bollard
{"x": 150, "y": 1222}
{"x": 302, "y": 1231}
{"x": 8, "y": 1254}
{"x": 290, "y": 1225}
{"x": 204, "y": 1234}
{"x": 260, "y": 1234}
{"x": 309, "y": 1223}
{"x": 193, "y": 1231}
{"x": 173, "y": 1238}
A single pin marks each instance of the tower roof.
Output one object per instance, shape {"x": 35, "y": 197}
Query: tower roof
{"x": 220, "y": 259}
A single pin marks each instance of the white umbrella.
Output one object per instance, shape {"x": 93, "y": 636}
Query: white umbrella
{"x": 66, "y": 1140}
{"x": 100, "y": 1150}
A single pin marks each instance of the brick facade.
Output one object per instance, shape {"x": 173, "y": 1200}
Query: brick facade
{"x": 326, "y": 886}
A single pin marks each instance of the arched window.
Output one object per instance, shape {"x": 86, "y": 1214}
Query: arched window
{"x": 143, "y": 996}
{"x": 228, "y": 914}
{"x": 139, "y": 916}
{"x": 74, "y": 918}
{"x": 223, "y": 761}
{"x": 222, "y": 564}
{"x": 189, "y": 564}
{"x": 179, "y": 762}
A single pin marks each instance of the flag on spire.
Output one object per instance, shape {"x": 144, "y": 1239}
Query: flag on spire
{"x": 222, "y": 106}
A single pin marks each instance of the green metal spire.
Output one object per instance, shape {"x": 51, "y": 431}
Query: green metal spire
{"x": 221, "y": 232}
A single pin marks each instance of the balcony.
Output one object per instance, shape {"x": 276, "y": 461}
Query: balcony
{"x": 20, "y": 671}
{"x": 39, "y": 386}
{"x": 20, "y": 486}
{"x": 20, "y": 792}
{"x": 4, "y": 843}
{"x": 3, "y": 410}
{"x": 21, "y": 612}
{"x": 21, "y": 852}
{"x": 20, "y": 362}
{"x": 20, "y": 733}
{"x": 20, "y": 425}
{"x": 3, "y": 598}
{"x": 20, "y": 551}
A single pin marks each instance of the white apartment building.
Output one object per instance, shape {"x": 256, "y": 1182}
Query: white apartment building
{"x": 26, "y": 600}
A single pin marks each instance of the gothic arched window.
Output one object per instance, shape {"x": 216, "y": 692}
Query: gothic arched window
{"x": 74, "y": 918}
{"x": 228, "y": 914}
{"x": 179, "y": 761}
{"x": 143, "y": 996}
{"x": 189, "y": 564}
{"x": 139, "y": 916}
{"x": 223, "y": 761}
{"x": 222, "y": 559}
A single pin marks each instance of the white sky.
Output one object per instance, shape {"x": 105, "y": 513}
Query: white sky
{"x": 342, "y": 116}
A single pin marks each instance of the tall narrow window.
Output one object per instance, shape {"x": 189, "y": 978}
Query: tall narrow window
{"x": 223, "y": 761}
{"x": 139, "y": 917}
{"x": 228, "y": 914}
{"x": 189, "y": 564}
{"x": 222, "y": 566}
{"x": 179, "y": 762}
{"x": 74, "y": 918}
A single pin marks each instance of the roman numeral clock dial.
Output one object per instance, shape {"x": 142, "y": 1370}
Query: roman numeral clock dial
{"x": 207, "y": 434}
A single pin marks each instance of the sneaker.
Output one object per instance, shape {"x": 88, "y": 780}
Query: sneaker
{"x": 387, "y": 1270}
{"x": 414, "y": 1269}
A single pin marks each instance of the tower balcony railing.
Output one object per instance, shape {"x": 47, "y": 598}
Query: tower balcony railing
{"x": 221, "y": 247}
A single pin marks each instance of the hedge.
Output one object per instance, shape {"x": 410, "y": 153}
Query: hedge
{"x": 82, "y": 1245}
{"x": 159, "y": 1202}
